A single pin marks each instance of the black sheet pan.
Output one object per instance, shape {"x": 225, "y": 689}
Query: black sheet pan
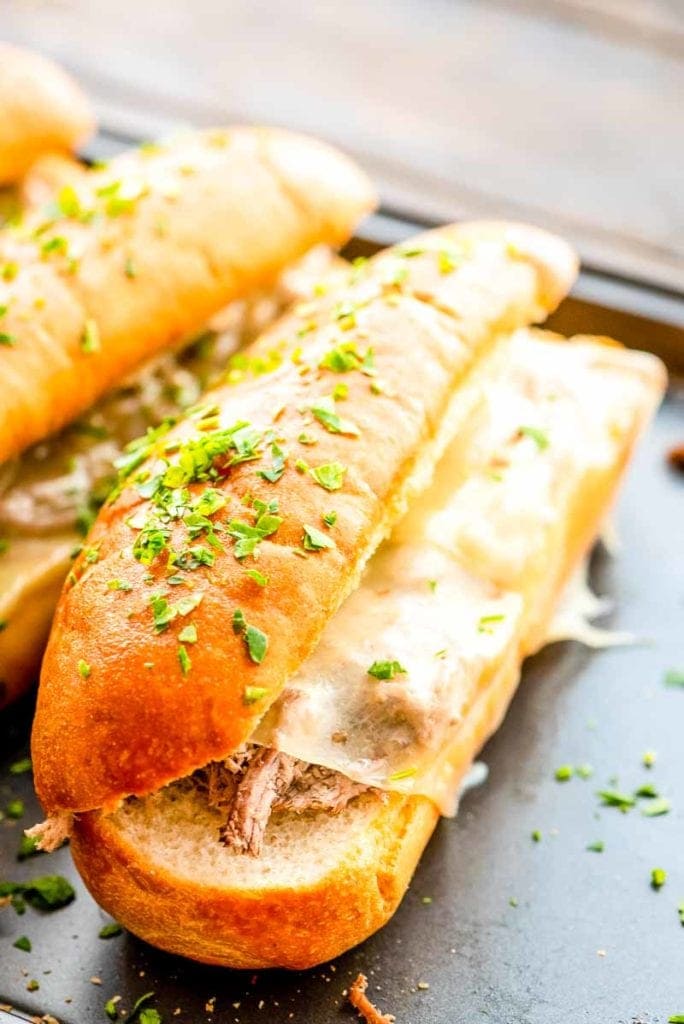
{"x": 496, "y": 927}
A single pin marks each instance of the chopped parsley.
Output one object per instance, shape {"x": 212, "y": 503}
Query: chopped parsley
{"x": 486, "y": 623}
{"x": 315, "y": 540}
{"x": 28, "y": 847}
{"x": 277, "y": 468}
{"x": 386, "y": 669}
{"x": 564, "y": 773}
{"x": 109, "y": 931}
{"x": 613, "y": 798}
{"x": 15, "y": 809}
{"x": 654, "y": 808}
{"x": 23, "y": 943}
{"x": 49, "y": 892}
{"x": 330, "y": 518}
{"x": 330, "y": 475}
{"x": 253, "y": 694}
{"x": 184, "y": 659}
{"x": 248, "y": 536}
{"x": 674, "y": 677}
{"x": 658, "y": 878}
{"x": 164, "y": 614}
{"x": 257, "y": 577}
{"x": 536, "y": 836}
{"x": 256, "y": 642}
{"x": 90, "y": 339}
{"x": 324, "y": 411}
{"x": 648, "y": 759}
{"x": 117, "y": 584}
{"x": 6, "y": 339}
{"x": 21, "y": 767}
{"x": 596, "y": 847}
{"x": 540, "y": 437}
{"x": 188, "y": 635}
{"x": 84, "y": 669}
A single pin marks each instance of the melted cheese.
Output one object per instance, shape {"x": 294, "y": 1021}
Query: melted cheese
{"x": 495, "y": 531}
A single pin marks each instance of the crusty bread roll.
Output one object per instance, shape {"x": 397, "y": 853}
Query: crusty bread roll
{"x": 42, "y": 110}
{"x": 409, "y": 327}
{"x": 145, "y": 250}
{"x": 324, "y": 882}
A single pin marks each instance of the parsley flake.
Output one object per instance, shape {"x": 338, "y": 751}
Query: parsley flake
{"x": 315, "y": 540}
{"x": 386, "y": 669}
{"x": 90, "y": 339}
{"x": 540, "y": 437}
{"x": 330, "y": 475}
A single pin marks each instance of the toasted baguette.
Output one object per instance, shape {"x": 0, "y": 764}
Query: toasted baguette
{"x": 42, "y": 110}
{"x": 324, "y": 883}
{"x": 146, "y": 251}
{"x": 427, "y": 330}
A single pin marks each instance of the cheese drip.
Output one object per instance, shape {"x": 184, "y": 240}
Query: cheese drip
{"x": 466, "y": 585}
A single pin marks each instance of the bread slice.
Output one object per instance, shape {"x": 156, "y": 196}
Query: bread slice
{"x": 42, "y": 110}
{"x": 425, "y": 318}
{"x": 324, "y": 882}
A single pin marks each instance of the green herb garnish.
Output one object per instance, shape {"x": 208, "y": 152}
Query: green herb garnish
{"x": 109, "y": 931}
{"x": 315, "y": 540}
{"x": 23, "y": 943}
{"x": 90, "y": 339}
{"x": 330, "y": 475}
{"x": 658, "y": 878}
{"x": 386, "y": 669}
{"x": 540, "y": 437}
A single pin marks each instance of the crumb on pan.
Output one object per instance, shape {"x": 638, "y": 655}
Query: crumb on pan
{"x": 51, "y": 833}
{"x": 360, "y": 1001}
{"x": 675, "y": 457}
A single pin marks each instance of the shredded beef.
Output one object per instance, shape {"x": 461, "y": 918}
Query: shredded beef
{"x": 257, "y": 782}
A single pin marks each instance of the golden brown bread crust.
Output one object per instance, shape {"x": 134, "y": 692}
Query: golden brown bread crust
{"x": 277, "y": 927}
{"x": 293, "y": 926}
{"x": 145, "y": 251}
{"x": 42, "y": 109}
{"x": 94, "y": 739}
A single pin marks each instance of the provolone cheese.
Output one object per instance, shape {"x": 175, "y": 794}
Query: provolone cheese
{"x": 493, "y": 534}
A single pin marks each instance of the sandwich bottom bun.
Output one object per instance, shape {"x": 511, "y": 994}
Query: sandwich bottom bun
{"x": 322, "y": 884}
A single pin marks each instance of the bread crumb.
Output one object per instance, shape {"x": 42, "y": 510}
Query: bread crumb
{"x": 423, "y": 986}
{"x": 360, "y": 1001}
{"x": 95, "y": 980}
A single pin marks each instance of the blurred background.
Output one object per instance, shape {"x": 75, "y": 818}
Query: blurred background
{"x": 566, "y": 112}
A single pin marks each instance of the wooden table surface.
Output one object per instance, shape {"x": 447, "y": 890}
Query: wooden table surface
{"x": 566, "y": 112}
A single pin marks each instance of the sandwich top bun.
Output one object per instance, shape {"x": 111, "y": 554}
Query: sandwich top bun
{"x": 208, "y": 580}
{"x": 133, "y": 257}
{"x": 42, "y": 110}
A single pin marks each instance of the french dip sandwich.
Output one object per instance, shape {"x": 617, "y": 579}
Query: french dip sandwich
{"x": 305, "y": 606}
{"x": 104, "y": 282}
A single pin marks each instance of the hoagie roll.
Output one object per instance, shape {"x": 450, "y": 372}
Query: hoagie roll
{"x": 406, "y": 332}
{"x": 138, "y": 255}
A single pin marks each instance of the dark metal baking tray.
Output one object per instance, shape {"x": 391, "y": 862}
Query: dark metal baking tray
{"x": 495, "y": 928}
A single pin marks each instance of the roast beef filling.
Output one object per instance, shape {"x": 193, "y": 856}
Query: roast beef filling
{"x": 257, "y": 782}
